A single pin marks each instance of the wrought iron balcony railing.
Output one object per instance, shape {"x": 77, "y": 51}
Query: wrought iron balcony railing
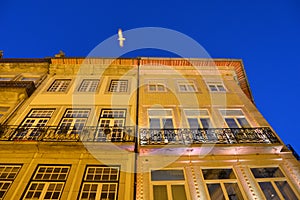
{"x": 213, "y": 135}
{"x": 54, "y": 133}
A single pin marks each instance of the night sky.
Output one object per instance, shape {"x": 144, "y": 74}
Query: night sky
{"x": 264, "y": 34}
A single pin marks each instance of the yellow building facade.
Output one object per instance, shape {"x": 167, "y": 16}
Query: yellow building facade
{"x": 137, "y": 128}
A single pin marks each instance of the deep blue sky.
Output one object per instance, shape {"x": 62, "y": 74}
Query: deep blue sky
{"x": 265, "y": 34}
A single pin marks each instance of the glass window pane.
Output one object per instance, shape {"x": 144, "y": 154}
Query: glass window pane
{"x": 271, "y": 172}
{"x": 243, "y": 122}
{"x": 206, "y": 123}
{"x": 269, "y": 191}
{"x": 178, "y": 192}
{"x": 214, "y": 174}
{"x": 160, "y": 192}
{"x": 193, "y": 123}
{"x": 167, "y": 175}
{"x": 215, "y": 191}
{"x": 168, "y": 123}
{"x": 231, "y": 123}
{"x": 285, "y": 190}
{"x": 154, "y": 123}
{"x": 233, "y": 191}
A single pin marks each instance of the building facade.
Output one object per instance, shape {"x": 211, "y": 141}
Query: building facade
{"x": 137, "y": 128}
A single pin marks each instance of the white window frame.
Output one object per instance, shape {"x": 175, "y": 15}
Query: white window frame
{"x": 187, "y": 84}
{"x": 99, "y": 183}
{"x": 166, "y": 114}
{"x": 89, "y": 85}
{"x": 169, "y": 183}
{"x": 8, "y": 177}
{"x": 62, "y": 85}
{"x": 46, "y": 179}
{"x": 198, "y": 117}
{"x": 217, "y": 85}
{"x": 156, "y": 84}
{"x": 35, "y": 119}
{"x": 222, "y": 182}
{"x": 117, "y": 85}
{"x": 74, "y": 124}
{"x": 272, "y": 180}
{"x": 235, "y": 117}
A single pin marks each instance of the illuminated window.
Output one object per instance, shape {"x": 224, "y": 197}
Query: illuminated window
{"x": 216, "y": 87}
{"x": 168, "y": 185}
{"x": 73, "y": 121}
{"x": 100, "y": 182}
{"x": 59, "y": 85}
{"x": 8, "y": 173}
{"x": 47, "y": 183}
{"x": 118, "y": 86}
{"x": 235, "y": 118}
{"x": 273, "y": 183}
{"x": 198, "y": 119}
{"x": 221, "y": 184}
{"x": 186, "y": 86}
{"x": 88, "y": 85}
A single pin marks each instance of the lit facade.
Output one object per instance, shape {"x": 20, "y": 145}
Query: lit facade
{"x": 143, "y": 128}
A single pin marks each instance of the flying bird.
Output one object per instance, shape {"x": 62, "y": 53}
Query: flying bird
{"x": 121, "y": 38}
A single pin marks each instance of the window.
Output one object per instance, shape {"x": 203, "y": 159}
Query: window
{"x": 111, "y": 123}
{"x": 31, "y": 126}
{"x": 160, "y": 118}
{"x": 8, "y": 173}
{"x": 47, "y": 183}
{"x": 216, "y": 87}
{"x": 221, "y": 184}
{"x": 273, "y": 183}
{"x": 88, "y": 85}
{"x": 186, "y": 86}
{"x": 73, "y": 121}
{"x": 100, "y": 182}
{"x": 168, "y": 185}
{"x": 198, "y": 119}
{"x": 235, "y": 118}
{"x": 156, "y": 86}
{"x": 118, "y": 86}
{"x": 59, "y": 85}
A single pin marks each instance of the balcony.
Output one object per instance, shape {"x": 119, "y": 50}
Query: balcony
{"x": 76, "y": 134}
{"x": 27, "y": 85}
{"x": 188, "y": 136}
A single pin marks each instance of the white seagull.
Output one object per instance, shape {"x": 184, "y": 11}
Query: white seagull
{"x": 121, "y": 38}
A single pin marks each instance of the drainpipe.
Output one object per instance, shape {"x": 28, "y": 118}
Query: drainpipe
{"x": 136, "y": 140}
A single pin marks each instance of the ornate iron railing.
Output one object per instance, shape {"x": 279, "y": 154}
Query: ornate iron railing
{"x": 213, "y": 135}
{"x": 55, "y": 133}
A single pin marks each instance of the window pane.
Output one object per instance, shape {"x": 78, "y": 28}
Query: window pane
{"x": 154, "y": 123}
{"x": 231, "y": 123}
{"x": 160, "y": 192}
{"x": 233, "y": 191}
{"x": 271, "y": 172}
{"x": 214, "y": 174}
{"x": 243, "y": 122}
{"x": 178, "y": 192}
{"x": 269, "y": 191}
{"x": 213, "y": 88}
{"x": 215, "y": 191}
{"x": 168, "y": 123}
{"x": 206, "y": 123}
{"x": 193, "y": 123}
{"x": 285, "y": 190}
{"x": 167, "y": 175}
